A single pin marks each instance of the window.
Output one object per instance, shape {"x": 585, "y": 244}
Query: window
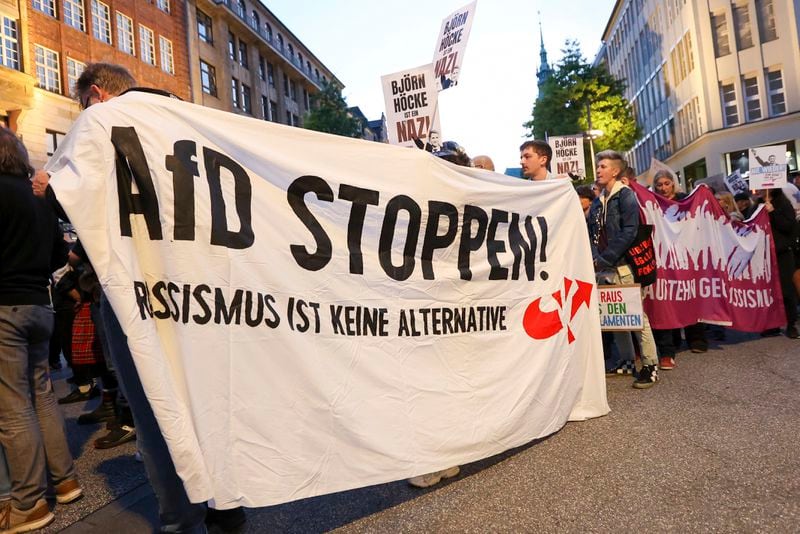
{"x": 48, "y": 72}
{"x": 53, "y": 139}
{"x": 273, "y": 111}
{"x": 719, "y": 27}
{"x": 256, "y": 20}
{"x": 264, "y": 107}
{"x": 73, "y": 14}
{"x": 752, "y": 104}
{"x": 232, "y": 46}
{"x": 306, "y": 100}
{"x": 246, "y": 99}
{"x": 208, "y": 78}
{"x": 243, "y": 54}
{"x": 289, "y": 118}
{"x": 125, "y": 34}
{"x": 316, "y": 73}
{"x": 147, "y": 44}
{"x": 163, "y": 5}
{"x": 271, "y": 75}
{"x": 74, "y": 70}
{"x": 730, "y": 111}
{"x": 204, "y": 28}
{"x": 295, "y": 120}
{"x": 101, "y": 21}
{"x": 241, "y": 8}
{"x": 9, "y": 45}
{"x": 308, "y": 67}
{"x": 48, "y": 7}
{"x": 766, "y": 20}
{"x": 777, "y": 100}
{"x": 280, "y": 43}
{"x": 291, "y": 52}
{"x": 235, "y": 92}
{"x": 268, "y": 30}
{"x": 741, "y": 21}
{"x": 293, "y": 90}
{"x": 167, "y": 61}
{"x": 285, "y": 86}
{"x": 262, "y": 68}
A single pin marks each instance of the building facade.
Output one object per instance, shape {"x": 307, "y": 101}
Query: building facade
{"x": 46, "y": 44}
{"x": 708, "y": 79}
{"x": 245, "y": 60}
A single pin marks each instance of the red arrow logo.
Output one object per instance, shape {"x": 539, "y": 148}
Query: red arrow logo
{"x": 540, "y": 324}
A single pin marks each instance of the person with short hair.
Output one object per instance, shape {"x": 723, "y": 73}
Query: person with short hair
{"x": 31, "y": 424}
{"x": 483, "y": 162}
{"x": 745, "y": 204}
{"x": 613, "y": 224}
{"x": 534, "y": 158}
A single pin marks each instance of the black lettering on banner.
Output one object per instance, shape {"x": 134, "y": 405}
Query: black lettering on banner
{"x": 198, "y": 296}
{"x": 400, "y": 202}
{"x": 142, "y": 299}
{"x": 183, "y": 166}
{"x": 296, "y": 197}
{"x": 470, "y": 243}
{"x": 249, "y": 318}
{"x": 172, "y": 289}
{"x": 224, "y": 313}
{"x": 433, "y": 241}
{"x": 185, "y": 306}
{"x": 158, "y": 294}
{"x": 495, "y": 246}
{"x": 522, "y": 250}
{"x": 273, "y": 322}
{"x": 131, "y": 165}
{"x": 243, "y": 194}
{"x": 360, "y": 198}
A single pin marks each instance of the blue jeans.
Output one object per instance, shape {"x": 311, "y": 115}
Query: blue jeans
{"x": 177, "y": 514}
{"x": 31, "y": 425}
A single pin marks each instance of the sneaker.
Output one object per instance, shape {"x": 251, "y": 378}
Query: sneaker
{"x": 103, "y": 413}
{"x": 116, "y": 436}
{"x": 791, "y": 332}
{"x": 648, "y": 377}
{"x": 667, "y": 363}
{"x": 13, "y": 520}
{"x": 624, "y": 368}
{"x": 431, "y": 479}
{"x": 225, "y": 520}
{"x": 68, "y": 491}
{"x": 78, "y": 396}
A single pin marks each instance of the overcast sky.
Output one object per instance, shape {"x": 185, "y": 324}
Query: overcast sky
{"x": 361, "y": 40}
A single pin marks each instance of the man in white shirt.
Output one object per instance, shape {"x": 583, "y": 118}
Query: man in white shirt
{"x": 534, "y": 158}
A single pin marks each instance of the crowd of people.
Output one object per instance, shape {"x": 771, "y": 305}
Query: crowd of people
{"x": 51, "y": 304}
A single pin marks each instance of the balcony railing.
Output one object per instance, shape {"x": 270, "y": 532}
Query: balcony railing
{"x": 262, "y": 32}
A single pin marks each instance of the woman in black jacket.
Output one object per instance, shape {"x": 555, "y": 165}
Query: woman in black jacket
{"x": 784, "y": 231}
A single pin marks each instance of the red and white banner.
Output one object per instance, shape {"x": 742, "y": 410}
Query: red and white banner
{"x": 710, "y": 268}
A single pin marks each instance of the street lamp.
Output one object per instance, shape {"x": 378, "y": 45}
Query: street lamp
{"x": 591, "y": 134}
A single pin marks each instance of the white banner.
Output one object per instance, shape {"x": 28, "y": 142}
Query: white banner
{"x": 310, "y": 313}
{"x": 412, "y": 116}
{"x": 568, "y": 158}
{"x": 768, "y": 167}
{"x": 451, "y": 44}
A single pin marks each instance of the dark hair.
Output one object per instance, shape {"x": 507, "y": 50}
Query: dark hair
{"x": 110, "y": 77}
{"x": 629, "y": 173}
{"x": 14, "y": 159}
{"x": 585, "y": 191}
{"x": 540, "y": 147}
{"x": 741, "y": 196}
{"x": 454, "y": 153}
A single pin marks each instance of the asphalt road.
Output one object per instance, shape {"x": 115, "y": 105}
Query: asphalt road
{"x": 713, "y": 447}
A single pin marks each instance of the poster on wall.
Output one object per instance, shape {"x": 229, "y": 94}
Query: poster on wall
{"x": 412, "y": 115}
{"x": 450, "y": 46}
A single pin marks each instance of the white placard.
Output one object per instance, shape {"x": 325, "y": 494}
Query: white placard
{"x": 448, "y": 56}
{"x": 620, "y": 307}
{"x": 412, "y": 117}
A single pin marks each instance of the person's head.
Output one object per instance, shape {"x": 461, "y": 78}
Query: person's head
{"x": 743, "y": 201}
{"x": 586, "y": 196}
{"x": 14, "y": 159}
{"x": 435, "y": 139}
{"x": 771, "y": 159}
{"x": 627, "y": 176}
{"x": 664, "y": 184}
{"x": 534, "y": 158}
{"x": 102, "y": 81}
{"x": 610, "y": 165}
{"x": 727, "y": 202}
{"x": 483, "y": 162}
{"x": 454, "y": 153}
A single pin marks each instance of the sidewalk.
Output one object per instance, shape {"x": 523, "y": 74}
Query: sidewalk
{"x": 712, "y": 447}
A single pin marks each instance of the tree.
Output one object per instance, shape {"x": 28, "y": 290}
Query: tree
{"x": 575, "y": 87}
{"x": 329, "y": 113}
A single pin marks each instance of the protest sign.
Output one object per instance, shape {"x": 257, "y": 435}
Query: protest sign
{"x": 308, "y": 312}
{"x": 412, "y": 117}
{"x": 716, "y": 182}
{"x": 568, "y": 157}
{"x": 768, "y": 167}
{"x": 711, "y": 268}
{"x": 736, "y": 183}
{"x": 620, "y": 307}
{"x": 448, "y": 55}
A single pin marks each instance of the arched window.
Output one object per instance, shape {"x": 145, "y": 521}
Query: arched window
{"x": 242, "y": 9}
{"x": 291, "y": 51}
{"x": 256, "y": 20}
{"x": 268, "y": 30}
{"x": 280, "y": 42}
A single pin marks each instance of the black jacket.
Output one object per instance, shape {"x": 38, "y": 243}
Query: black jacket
{"x": 612, "y": 233}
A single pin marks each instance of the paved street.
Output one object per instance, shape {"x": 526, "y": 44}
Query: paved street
{"x": 713, "y": 447}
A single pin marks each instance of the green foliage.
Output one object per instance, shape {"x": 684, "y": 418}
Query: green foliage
{"x": 561, "y": 108}
{"x": 329, "y": 113}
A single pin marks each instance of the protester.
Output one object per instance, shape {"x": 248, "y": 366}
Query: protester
{"x": 784, "y": 232}
{"x": 31, "y": 426}
{"x": 483, "y": 162}
{"x": 613, "y": 224}
{"x": 98, "y": 83}
{"x": 586, "y": 196}
{"x": 745, "y": 205}
{"x": 454, "y": 153}
{"x": 534, "y": 158}
{"x": 728, "y": 205}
